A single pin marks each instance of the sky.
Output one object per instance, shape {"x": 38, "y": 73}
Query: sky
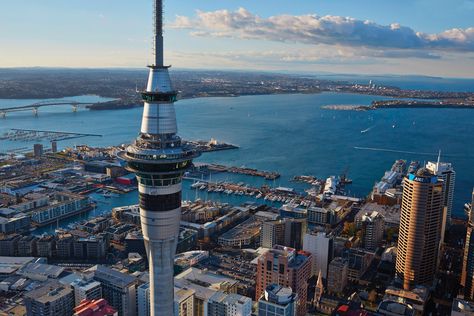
{"x": 403, "y": 37}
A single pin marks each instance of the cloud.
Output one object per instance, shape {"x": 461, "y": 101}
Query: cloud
{"x": 330, "y": 30}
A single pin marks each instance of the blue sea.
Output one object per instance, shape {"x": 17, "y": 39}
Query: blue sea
{"x": 289, "y": 134}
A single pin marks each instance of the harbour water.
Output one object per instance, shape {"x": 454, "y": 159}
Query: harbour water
{"x": 289, "y": 134}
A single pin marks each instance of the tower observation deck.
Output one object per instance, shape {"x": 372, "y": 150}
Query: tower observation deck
{"x": 159, "y": 160}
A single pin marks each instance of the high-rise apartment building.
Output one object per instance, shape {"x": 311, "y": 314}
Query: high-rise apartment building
{"x": 338, "y": 275}
{"x": 277, "y": 301}
{"x": 287, "y": 232}
{"x": 445, "y": 172}
{"x": 420, "y": 228}
{"x": 286, "y": 267}
{"x": 159, "y": 160}
{"x": 321, "y": 248}
{"x": 372, "y": 226}
{"x": 467, "y": 276}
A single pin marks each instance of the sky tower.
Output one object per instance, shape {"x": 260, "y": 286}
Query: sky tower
{"x": 159, "y": 160}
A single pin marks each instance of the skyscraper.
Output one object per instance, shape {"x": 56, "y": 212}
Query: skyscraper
{"x": 159, "y": 160}
{"x": 321, "y": 248}
{"x": 445, "y": 172}
{"x": 467, "y": 276}
{"x": 286, "y": 267}
{"x": 420, "y": 226}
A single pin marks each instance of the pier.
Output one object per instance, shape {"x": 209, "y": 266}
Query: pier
{"x": 18, "y": 134}
{"x": 268, "y": 175}
{"x": 209, "y": 146}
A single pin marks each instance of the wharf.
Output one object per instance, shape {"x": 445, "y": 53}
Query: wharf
{"x": 308, "y": 179}
{"x": 17, "y": 134}
{"x": 209, "y": 146}
{"x": 246, "y": 171}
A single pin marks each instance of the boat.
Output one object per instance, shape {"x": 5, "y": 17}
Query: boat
{"x": 259, "y": 196}
{"x": 196, "y": 185}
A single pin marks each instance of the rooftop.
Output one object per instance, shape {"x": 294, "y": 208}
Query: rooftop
{"x": 118, "y": 278}
{"x": 9, "y": 265}
{"x": 50, "y": 292}
{"x": 41, "y": 269}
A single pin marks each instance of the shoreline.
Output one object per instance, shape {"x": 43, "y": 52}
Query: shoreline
{"x": 397, "y": 104}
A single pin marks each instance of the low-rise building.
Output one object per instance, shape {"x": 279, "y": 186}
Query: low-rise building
{"x": 95, "y": 308}
{"x": 277, "y": 301}
{"x": 119, "y": 289}
{"x": 86, "y": 289}
{"x": 221, "y": 304}
{"x": 51, "y": 299}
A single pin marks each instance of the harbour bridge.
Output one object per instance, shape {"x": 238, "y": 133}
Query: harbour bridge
{"x": 36, "y": 106}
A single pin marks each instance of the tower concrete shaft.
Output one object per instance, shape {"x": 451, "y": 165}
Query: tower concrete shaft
{"x": 159, "y": 160}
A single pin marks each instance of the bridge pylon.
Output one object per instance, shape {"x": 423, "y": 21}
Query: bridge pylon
{"x": 3, "y": 114}
{"x": 74, "y": 107}
{"x": 35, "y": 111}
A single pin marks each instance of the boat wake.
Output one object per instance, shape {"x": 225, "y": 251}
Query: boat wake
{"x": 366, "y": 130}
{"x": 395, "y": 151}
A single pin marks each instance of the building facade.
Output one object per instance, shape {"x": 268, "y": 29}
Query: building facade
{"x": 337, "y": 275}
{"x": 321, "y": 248}
{"x": 86, "y": 290}
{"x": 221, "y": 304}
{"x": 286, "y": 267}
{"x": 467, "y": 275}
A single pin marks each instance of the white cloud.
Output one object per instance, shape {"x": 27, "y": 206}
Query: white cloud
{"x": 330, "y": 30}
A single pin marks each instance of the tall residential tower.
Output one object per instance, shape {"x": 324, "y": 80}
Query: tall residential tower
{"x": 467, "y": 276}
{"x": 445, "y": 171}
{"x": 420, "y": 228}
{"x": 159, "y": 160}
